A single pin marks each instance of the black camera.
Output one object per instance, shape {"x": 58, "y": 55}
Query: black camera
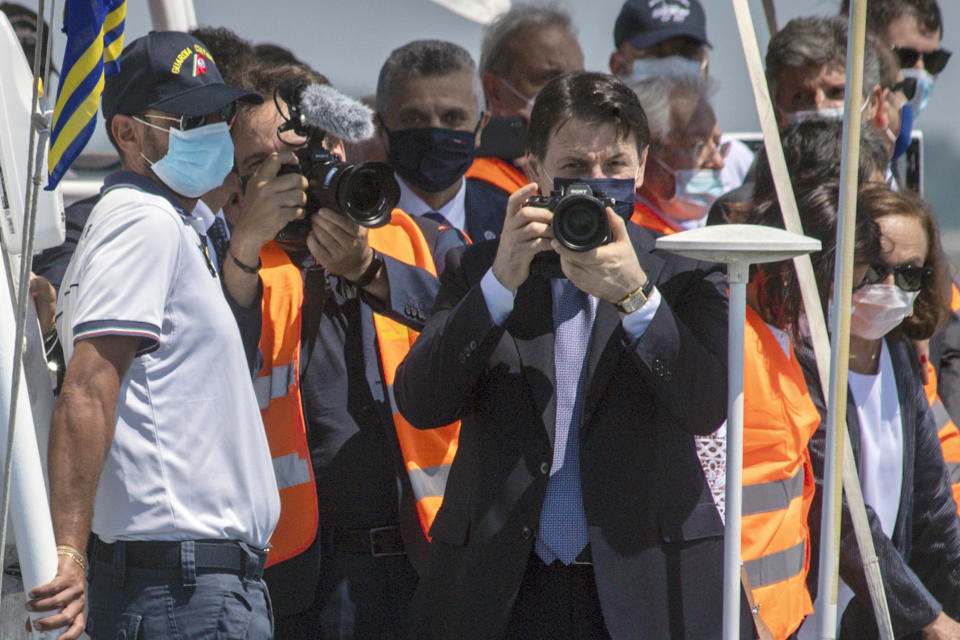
{"x": 579, "y": 216}
{"x": 365, "y": 192}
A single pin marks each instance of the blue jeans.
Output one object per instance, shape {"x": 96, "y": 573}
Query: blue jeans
{"x": 132, "y": 603}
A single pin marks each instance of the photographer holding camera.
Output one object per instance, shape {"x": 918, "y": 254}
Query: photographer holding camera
{"x": 342, "y": 301}
{"x": 576, "y": 506}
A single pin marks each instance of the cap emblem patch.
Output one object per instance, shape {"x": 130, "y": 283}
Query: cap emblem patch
{"x": 670, "y": 10}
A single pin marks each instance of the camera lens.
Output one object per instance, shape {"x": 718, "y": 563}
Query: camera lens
{"x": 366, "y": 192}
{"x": 580, "y": 223}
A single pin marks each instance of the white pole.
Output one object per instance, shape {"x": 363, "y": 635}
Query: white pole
{"x": 840, "y": 319}
{"x": 737, "y": 275}
{"x": 29, "y": 505}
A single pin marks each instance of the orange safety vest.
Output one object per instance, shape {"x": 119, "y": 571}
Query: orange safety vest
{"x": 427, "y": 454}
{"x": 779, "y": 418}
{"x": 278, "y": 392}
{"x": 946, "y": 430}
{"x": 778, "y": 484}
{"x": 497, "y": 172}
{"x": 647, "y": 217}
{"x": 954, "y": 297}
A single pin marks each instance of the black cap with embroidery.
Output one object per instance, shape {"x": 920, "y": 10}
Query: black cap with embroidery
{"x": 170, "y": 71}
{"x": 647, "y": 23}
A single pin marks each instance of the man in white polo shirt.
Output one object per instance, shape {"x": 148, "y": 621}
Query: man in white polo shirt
{"x": 156, "y": 444}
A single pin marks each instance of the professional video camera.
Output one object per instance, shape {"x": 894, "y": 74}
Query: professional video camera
{"x": 365, "y": 192}
{"x": 579, "y": 216}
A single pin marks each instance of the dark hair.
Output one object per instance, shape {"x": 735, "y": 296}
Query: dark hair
{"x": 882, "y": 13}
{"x": 274, "y": 54}
{"x": 590, "y": 97}
{"x": 231, "y": 53}
{"x": 779, "y": 296}
{"x": 806, "y": 42}
{"x": 265, "y": 78}
{"x": 813, "y": 150}
{"x": 425, "y": 58}
{"x": 932, "y": 306}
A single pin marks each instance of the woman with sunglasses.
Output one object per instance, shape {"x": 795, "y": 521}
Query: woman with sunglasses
{"x": 900, "y": 297}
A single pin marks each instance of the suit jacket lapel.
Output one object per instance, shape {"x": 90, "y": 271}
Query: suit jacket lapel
{"x": 604, "y": 354}
{"x": 531, "y": 327}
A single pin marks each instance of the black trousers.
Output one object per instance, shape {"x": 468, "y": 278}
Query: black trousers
{"x": 557, "y": 601}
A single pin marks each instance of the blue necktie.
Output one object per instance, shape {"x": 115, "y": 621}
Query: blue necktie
{"x": 563, "y": 524}
{"x": 218, "y": 236}
{"x": 439, "y": 218}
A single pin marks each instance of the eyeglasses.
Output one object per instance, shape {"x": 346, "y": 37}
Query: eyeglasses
{"x": 908, "y": 277}
{"x": 907, "y": 86}
{"x": 933, "y": 61}
{"x": 185, "y": 123}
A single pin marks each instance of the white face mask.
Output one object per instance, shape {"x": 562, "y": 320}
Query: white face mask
{"x": 644, "y": 68}
{"x": 797, "y": 117}
{"x": 878, "y": 309}
{"x": 528, "y": 106}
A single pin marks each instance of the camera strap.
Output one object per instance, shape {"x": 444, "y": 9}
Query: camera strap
{"x": 316, "y": 290}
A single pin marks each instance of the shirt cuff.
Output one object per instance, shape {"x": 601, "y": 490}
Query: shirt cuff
{"x": 498, "y": 298}
{"x": 636, "y": 322}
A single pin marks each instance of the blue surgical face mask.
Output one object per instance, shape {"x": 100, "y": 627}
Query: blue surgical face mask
{"x": 621, "y": 190}
{"x": 921, "y": 97}
{"x": 698, "y": 185}
{"x": 644, "y": 68}
{"x": 431, "y": 158}
{"x": 197, "y": 160}
{"x": 902, "y": 141}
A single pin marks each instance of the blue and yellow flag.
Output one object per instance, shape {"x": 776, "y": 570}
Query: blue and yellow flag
{"x": 94, "y": 31}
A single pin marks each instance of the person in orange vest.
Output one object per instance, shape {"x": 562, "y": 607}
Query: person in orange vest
{"x": 779, "y": 420}
{"x": 359, "y": 486}
{"x": 682, "y": 177}
{"x": 523, "y": 49}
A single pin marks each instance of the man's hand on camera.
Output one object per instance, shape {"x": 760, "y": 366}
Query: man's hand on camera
{"x": 610, "y": 272}
{"x": 526, "y": 232}
{"x": 339, "y": 244}
{"x": 269, "y": 203}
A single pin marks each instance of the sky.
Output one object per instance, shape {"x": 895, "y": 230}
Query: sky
{"x": 348, "y": 42}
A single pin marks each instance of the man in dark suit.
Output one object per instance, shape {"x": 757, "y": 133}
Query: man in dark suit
{"x": 576, "y": 506}
{"x": 430, "y": 117}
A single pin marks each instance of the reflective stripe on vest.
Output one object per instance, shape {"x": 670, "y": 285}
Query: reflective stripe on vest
{"x": 774, "y": 495}
{"x": 291, "y": 470}
{"x": 946, "y": 430}
{"x": 776, "y": 567}
{"x": 778, "y": 486}
{"x": 427, "y": 454}
{"x": 497, "y": 172}
{"x": 275, "y": 384}
{"x": 278, "y": 393}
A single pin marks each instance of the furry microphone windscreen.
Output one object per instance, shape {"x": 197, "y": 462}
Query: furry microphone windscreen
{"x": 326, "y": 108}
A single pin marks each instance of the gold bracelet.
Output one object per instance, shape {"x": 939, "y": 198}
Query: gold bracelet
{"x": 76, "y": 556}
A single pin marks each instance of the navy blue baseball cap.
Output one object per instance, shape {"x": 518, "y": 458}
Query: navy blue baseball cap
{"x": 170, "y": 71}
{"x": 647, "y": 23}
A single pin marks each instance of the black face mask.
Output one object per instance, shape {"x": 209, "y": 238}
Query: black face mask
{"x": 431, "y": 158}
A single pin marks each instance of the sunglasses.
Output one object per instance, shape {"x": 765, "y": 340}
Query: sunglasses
{"x": 933, "y": 61}
{"x": 907, "y": 86}
{"x": 906, "y": 276}
{"x": 224, "y": 114}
